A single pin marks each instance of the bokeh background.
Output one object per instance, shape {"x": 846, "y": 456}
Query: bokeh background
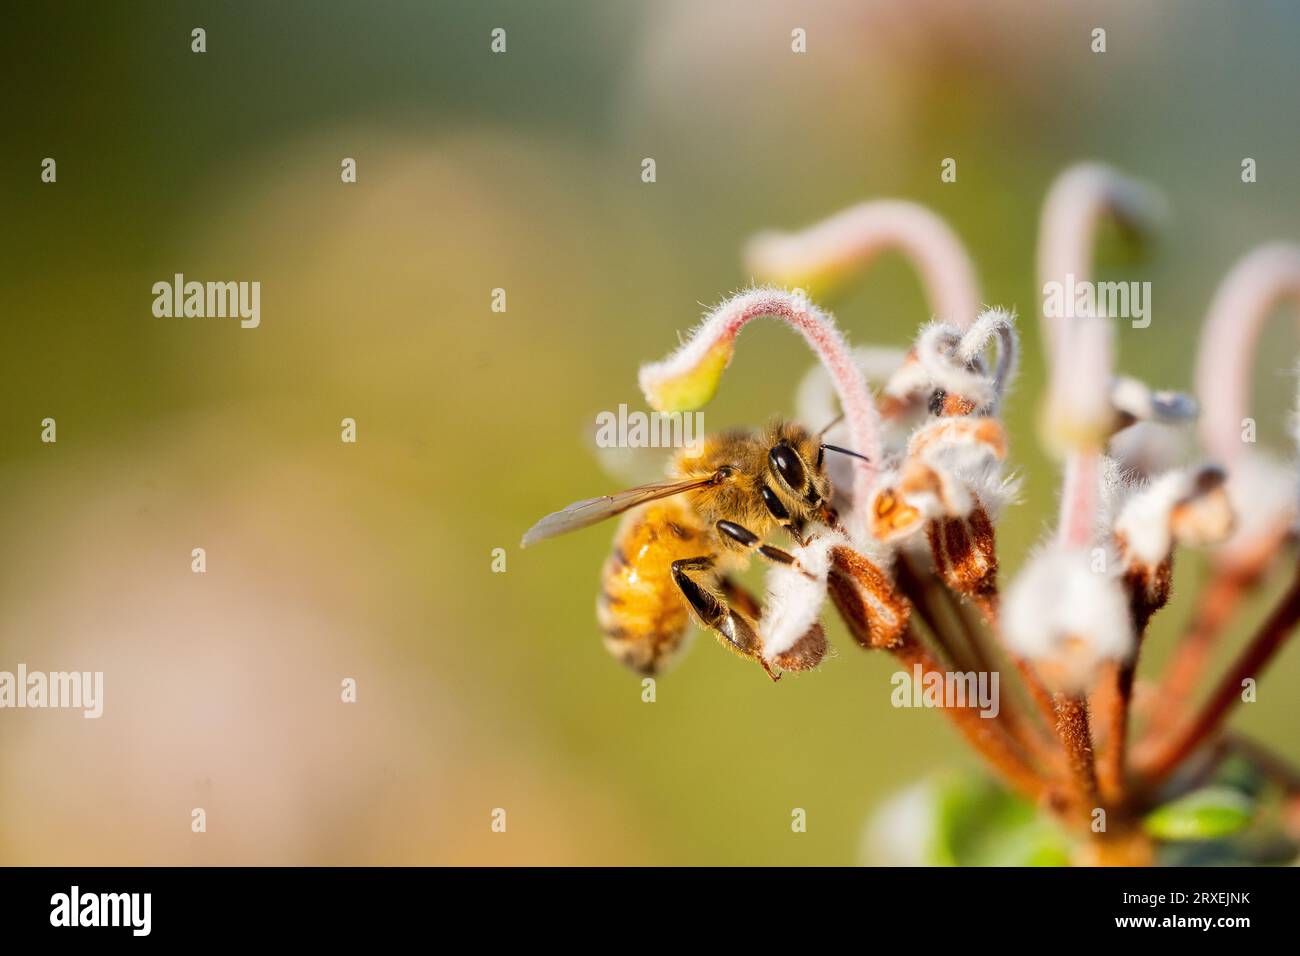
{"x": 480, "y": 690}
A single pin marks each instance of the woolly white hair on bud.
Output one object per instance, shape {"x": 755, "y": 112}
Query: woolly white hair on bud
{"x": 954, "y": 461}
{"x": 1144, "y": 518}
{"x": 936, "y": 349}
{"x": 1059, "y": 609}
{"x": 1138, "y": 400}
{"x": 991, "y": 487}
{"x": 909, "y": 381}
{"x": 953, "y": 360}
{"x": 1116, "y": 482}
{"x": 1000, "y": 325}
{"x": 795, "y": 594}
{"x": 952, "y": 464}
{"x": 1261, "y": 489}
{"x": 1150, "y": 448}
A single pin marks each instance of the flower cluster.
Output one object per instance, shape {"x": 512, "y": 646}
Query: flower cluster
{"x": 910, "y": 561}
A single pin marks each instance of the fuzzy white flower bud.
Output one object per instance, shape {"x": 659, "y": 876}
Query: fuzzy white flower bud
{"x": 1067, "y": 610}
{"x": 791, "y": 635}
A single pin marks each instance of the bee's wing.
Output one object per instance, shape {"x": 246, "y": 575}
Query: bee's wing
{"x": 581, "y": 514}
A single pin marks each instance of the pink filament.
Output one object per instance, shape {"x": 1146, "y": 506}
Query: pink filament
{"x": 819, "y": 331}
{"x": 854, "y": 237}
{"x": 1246, "y": 297}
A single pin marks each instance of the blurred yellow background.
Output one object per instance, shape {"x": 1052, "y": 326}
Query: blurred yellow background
{"x": 479, "y": 690}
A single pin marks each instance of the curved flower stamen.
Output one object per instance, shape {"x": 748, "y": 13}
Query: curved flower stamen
{"x": 689, "y": 377}
{"x": 826, "y": 256}
{"x": 952, "y": 360}
{"x": 1247, "y": 296}
{"x": 1258, "y": 483}
{"x": 1078, "y": 200}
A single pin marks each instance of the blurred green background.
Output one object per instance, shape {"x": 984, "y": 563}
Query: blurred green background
{"x": 480, "y": 690}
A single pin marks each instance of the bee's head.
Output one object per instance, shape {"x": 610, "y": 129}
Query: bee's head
{"x": 797, "y": 487}
{"x": 795, "y": 473}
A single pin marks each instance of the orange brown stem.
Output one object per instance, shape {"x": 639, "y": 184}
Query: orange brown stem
{"x": 1076, "y": 736}
{"x": 987, "y": 737}
{"x": 1250, "y": 664}
{"x": 1112, "y": 705}
{"x": 1218, "y": 602}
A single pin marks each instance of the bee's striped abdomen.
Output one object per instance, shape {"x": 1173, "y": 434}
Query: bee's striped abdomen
{"x": 641, "y": 612}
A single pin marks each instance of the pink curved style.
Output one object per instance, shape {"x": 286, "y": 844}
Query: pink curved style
{"x": 1259, "y": 282}
{"x": 818, "y": 328}
{"x": 1079, "y": 351}
{"x": 1076, "y": 203}
{"x": 850, "y": 240}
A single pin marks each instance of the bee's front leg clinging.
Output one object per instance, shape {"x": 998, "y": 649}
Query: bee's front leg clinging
{"x": 747, "y": 538}
{"x": 706, "y": 594}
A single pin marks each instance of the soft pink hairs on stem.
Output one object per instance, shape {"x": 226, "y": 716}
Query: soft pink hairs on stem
{"x": 720, "y": 328}
{"x": 847, "y": 242}
{"x": 1260, "y": 281}
{"x": 1079, "y": 351}
{"x": 1067, "y": 233}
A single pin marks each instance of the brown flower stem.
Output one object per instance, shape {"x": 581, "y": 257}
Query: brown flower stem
{"x": 924, "y": 597}
{"x": 1173, "y": 695}
{"x": 1112, "y": 703}
{"x": 1037, "y": 738}
{"x": 1038, "y": 692}
{"x": 988, "y": 738}
{"x": 972, "y": 633}
{"x": 1250, "y": 664}
{"x": 1076, "y": 736}
{"x": 937, "y": 606}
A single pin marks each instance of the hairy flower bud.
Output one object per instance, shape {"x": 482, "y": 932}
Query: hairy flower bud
{"x": 1069, "y": 613}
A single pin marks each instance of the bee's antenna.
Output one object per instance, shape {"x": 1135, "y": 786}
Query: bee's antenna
{"x": 845, "y": 451}
{"x": 834, "y": 421}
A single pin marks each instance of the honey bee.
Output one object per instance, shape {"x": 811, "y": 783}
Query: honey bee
{"x": 682, "y": 540}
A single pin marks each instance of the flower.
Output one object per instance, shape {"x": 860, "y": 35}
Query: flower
{"x": 914, "y": 550}
{"x": 825, "y": 257}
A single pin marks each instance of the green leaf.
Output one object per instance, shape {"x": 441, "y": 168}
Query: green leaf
{"x": 1207, "y": 814}
{"x": 980, "y": 824}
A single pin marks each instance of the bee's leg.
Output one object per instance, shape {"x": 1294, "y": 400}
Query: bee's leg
{"x": 743, "y": 602}
{"x": 740, "y": 598}
{"x": 744, "y": 536}
{"x": 779, "y": 512}
{"x": 697, "y": 579}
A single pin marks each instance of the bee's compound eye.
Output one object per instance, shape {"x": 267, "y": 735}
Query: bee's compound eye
{"x": 786, "y": 464}
{"x": 773, "y": 504}
{"x": 937, "y": 399}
